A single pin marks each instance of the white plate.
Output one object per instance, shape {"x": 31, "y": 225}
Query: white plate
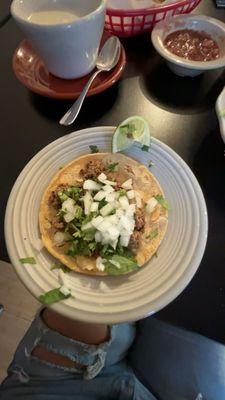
{"x": 125, "y": 298}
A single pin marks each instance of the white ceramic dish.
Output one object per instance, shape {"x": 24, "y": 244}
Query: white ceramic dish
{"x": 181, "y": 66}
{"x": 220, "y": 111}
{"x": 110, "y": 299}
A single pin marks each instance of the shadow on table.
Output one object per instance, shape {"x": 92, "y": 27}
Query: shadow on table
{"x": 181, "y": 95}
{"x": 206, "y": 292}
{"x": 93, "y": 109}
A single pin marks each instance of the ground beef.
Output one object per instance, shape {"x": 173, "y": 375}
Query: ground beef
{"x": 134, "y": 240}
{"x": 57, "y": 223}
{"x": 92, "y": 169}
{"x": 54, "y": 200}
{"x": 139, "y": 219}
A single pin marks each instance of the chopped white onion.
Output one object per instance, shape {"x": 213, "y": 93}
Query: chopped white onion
{"x": 110, "y": 197}
{"x": 100, "y": 195}
{"x": 91, "y": 185}
{"x": 96, "y": 221}
{"x": 68, "y": 217}
{"x": 138, "y": 200}
{"x": 108, "y": 188}
{"x": 98, "y": 237}
{"x": 99, "y": 264}
{"x": 94, "y": 207}
{"x": 104, "y": 226}
{"x": 113, "y": 232}
{"x": 124, "y": 240}
{"x": 151, "y": 204}
{"x": 87, "y": 226}
{"x": 69, "y": 206}
{"x": 130, "y": 194}
{"x": 113, "y": 243}
{"x": 38, "y": 245}
{"x": 87, "y": 203}
{"x": 59, "y": 238}
{"x": 123, "y": 200}
{"x": 102, "y": 177}
{"x": 127, "y": 184}
{"x": 113, "y": 219}
{"x": 64, "y": 290}
{"x": 107, "y": 209}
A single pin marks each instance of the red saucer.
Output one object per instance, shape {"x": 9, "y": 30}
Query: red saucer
{"x": 31, "y": 72}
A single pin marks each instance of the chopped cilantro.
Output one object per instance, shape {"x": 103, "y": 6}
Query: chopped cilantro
{"x": 152, "y": 234}
{"x": 28, "y": 260}
{"x": 111, "y": 167}
{"x": 150, "y": 164}
{"x": 94, "y": 148}
{"x": 125, "y": 264}
{"x": 89, "y": 234}
{"x": 161, "y": 200}
{"x": 53, "y": 296}
{"x": 145, "y": 148}
{"x": 122, "y": 192}
{"x": 102, "y": 203}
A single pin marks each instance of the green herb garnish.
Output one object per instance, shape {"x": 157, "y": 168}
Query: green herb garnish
{"x": 53, "y": 296}
{"x": 124, "y": 265}
{"x": 150, "y": 164}
{"x": 161, "y": 200}
{"x": 94, "y": 148}
{"x": 145, "y": 148}
{"x": 152, "y": 234}
{"x": 102, "y": 203}
{"x": 60, "y": 266}
{"x": 28, "y": 260}
{"x": 122, "y": 192}
{"x": 111, "y": 167}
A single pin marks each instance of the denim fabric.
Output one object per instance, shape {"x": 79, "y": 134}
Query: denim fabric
{"x": 106, "y": 374}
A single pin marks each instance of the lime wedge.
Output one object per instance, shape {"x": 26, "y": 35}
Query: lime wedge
{"x": 133, "y": 129}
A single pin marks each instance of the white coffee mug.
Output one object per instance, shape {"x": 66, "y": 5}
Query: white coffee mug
{"x": 65, "y": 33}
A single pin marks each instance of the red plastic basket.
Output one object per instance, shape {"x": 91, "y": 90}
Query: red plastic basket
{"x": 125, "y": 23}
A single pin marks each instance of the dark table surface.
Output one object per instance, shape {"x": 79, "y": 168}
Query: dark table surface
{"x": 180, "y": 112}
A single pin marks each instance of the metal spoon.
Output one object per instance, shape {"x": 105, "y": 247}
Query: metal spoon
{"x": 107, "y": 59}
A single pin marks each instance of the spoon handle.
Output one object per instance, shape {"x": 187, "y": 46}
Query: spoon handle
{"x": 73, "y": 112}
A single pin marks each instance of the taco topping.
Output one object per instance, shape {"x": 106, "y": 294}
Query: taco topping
{"x": 97, "y": 218}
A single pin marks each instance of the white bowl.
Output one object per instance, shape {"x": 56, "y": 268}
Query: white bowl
{"x": 179, "y": 65}
{"x": 220, "y": 111}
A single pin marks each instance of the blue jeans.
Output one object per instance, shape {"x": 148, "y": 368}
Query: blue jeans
{"x": 106, "y": 375}
{"x": 174, "y": 364}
